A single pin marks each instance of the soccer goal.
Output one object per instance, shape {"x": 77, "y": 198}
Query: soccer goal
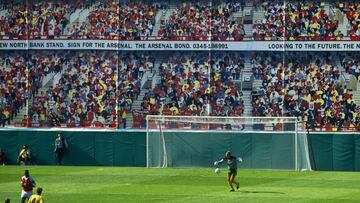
{"x": 196, "y": 141}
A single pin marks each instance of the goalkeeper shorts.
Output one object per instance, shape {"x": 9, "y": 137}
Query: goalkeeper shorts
{"x": 232, "y": 172}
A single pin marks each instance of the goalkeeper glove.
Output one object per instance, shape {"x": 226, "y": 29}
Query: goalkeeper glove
{"x": 216, "y": 163}
{"x": 239, "y": 159}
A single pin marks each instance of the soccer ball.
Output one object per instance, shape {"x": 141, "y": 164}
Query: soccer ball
{"x": 217, "y": 170}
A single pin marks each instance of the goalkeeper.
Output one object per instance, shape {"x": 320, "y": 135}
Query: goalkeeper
{"x": 232, "y": 166}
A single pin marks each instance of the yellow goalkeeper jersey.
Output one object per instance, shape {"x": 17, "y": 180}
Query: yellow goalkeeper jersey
{"x": 36, "y": 199}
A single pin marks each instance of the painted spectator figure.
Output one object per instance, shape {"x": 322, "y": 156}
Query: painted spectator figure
{"x": 123, "y": 117}
{"x": 2, "y": 157}
{"x": 26, "y": 121}
{"x": 35, "y": 120}
{"x": 24, "y": 157}
{"x": 54, "y": 120}
{"x": 60, "y": 148}
{"x": 2, "y": 118}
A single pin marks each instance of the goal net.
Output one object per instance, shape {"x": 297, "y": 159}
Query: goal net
{"x": 197, "y": 141}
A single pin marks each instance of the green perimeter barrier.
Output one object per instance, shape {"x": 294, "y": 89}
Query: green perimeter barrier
{"x": 329, "y": 151}
{"x": 86, "y": 148}
{"x": 335, "y": 151}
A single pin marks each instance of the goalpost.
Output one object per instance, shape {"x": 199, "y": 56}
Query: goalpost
{"x": 196, "y": 141}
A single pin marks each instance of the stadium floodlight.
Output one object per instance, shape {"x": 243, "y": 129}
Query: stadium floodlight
{"x": 196, "y": 141}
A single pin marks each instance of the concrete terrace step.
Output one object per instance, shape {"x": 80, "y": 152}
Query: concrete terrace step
{"x": 156, "y": 78}
{"x": 257, "y": 84}
{"x": 258, "y": 16}
{"x": 164, "y": 17}
{"x": 160, "y": 16}
{"x": 137, "y": 103}
{"x": 4, "y": 12}
{"x": 248, "y": 29}
{"x": 172, "y": 6}
{"x": 327, "y": 7}
{"x": 343, "y": 26}
{"x": 20, "y": 116}
{"x": 237, "y": 15}
{"x": 79, "y": 16}
{"x": 356, "y": 94}
{"x": 247, "y": 64}
{"x": 247, "y": 102}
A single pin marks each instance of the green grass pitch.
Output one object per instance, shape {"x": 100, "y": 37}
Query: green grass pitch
{"x": 120, "y": 184}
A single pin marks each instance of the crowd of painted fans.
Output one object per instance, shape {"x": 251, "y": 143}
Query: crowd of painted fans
{"x": 36, "y": 19}
{"x": 195, "y": 85}
{"x": 348, "y": 11}
{"x": 21, "y": 75}
{"x": 203, "y": 21}
{"x": 351, "y": 63}
{"x": 302, "y": 20}
{"x": 117, "y": 20}
{"x": 99, "y": 88}
{"x": 73, "y": 89}
{"x": 306, "y": 86}
{"x": 193, "y": 20}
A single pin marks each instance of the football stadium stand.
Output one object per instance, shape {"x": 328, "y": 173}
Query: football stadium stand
{"x": 194, "y": 20}
{"x": 100, "y": 88}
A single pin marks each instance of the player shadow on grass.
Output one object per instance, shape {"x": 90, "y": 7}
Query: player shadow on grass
{"x": 263, "y": 192}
